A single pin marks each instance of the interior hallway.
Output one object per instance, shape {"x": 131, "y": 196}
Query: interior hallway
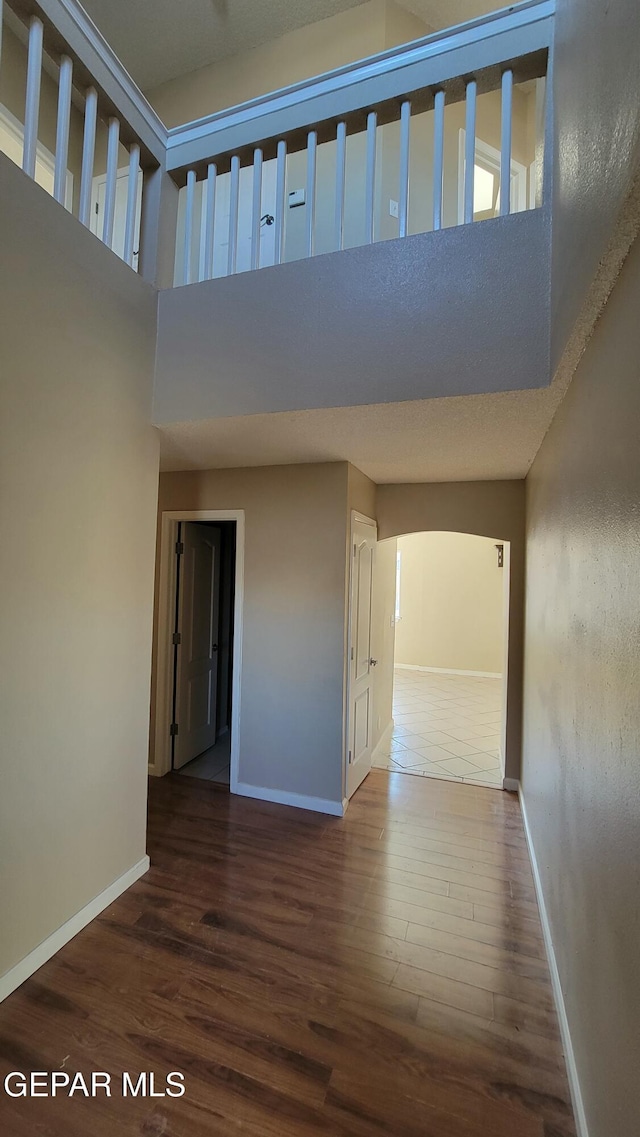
{"x": 445, "y": 726}
{"x": 380, "y": 974}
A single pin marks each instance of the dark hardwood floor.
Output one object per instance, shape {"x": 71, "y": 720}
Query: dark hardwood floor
{"x": 378, "y": 976}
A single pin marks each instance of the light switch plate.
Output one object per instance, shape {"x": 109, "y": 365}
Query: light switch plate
{"x": 393, "y": 208}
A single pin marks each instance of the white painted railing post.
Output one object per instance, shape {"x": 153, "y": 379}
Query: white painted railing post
{"x": 188, "y": 226}
{"x": 341, "y": 182}
{"x": 209, "y": 220}
{"x": 470, "y": 149}
{"x": 438, "y": 159}
{"x": 32, "y": 107}
{"x": 505, "y": 143}
{"x": 281, "y": 183}
{"x": 65, "y": 82}
{"x": 113, "y": 142}
{"x": 312, "y": 152}
{"x": 405, "y": 141}
{"x": 132, "y": 201}
{"x": 372, "y": 129}
{"x": 88, "y": 153}
{"x": 256, "y": 208}
{"x": 234, "y": 193}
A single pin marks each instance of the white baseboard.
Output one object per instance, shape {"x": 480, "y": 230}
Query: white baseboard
{"x": 384, "y": 740}
{"x": 300, "y": 801}
{"x": 565, "y": 1032}
{"x": 448, "y": 671}
{"x": 511, "y": 785}
{"x": 27, "y": 966}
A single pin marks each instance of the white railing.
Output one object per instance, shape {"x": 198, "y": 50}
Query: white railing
{"x": 109, "y": 144}
{"x": 442, "y": 131}
{"x": 421, "y": 137}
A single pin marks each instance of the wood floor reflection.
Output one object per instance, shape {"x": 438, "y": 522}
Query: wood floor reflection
{"x": 383, "y": 974}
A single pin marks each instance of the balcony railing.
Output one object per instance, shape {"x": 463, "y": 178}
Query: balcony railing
{"x": 443, "y": 131}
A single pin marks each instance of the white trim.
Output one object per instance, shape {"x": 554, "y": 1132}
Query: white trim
{"x": 449, "y": 671}
{"x": 556, "y": 984}
{"x": 492, "y": 159}
{"x": 53, "y": 943}
{"x": 511, "y": 785}
{"x": 15, "y": 129}
{"x": 346, "y": 710}
{"x": 283, "y": 797}
{"x": 384, "y": 740}
{"x": 161, "y": 763}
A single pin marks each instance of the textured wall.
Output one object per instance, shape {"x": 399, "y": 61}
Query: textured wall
{"x": 596, "y": 143}
{"x": 368, "y": 325}
{"x": 77, "y": 501}
{"x": 581, "y": 745}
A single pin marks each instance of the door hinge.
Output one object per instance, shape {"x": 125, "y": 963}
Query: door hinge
{"x": 179, "y": 548}
{"x": 349, "y": 757}
{"x": 351, "y": 653}
{"x": 173, "y": 730}
{"x": 354, "y": 549}
{"x": 176, "y": 639}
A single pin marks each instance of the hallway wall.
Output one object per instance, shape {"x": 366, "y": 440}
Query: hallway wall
{"x": 451, "y": 603}
{"x": 581, "y": 745}
{"x": 77, "y": 504}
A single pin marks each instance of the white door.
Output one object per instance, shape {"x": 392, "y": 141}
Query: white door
{"x": 96, "y": 221}
{"x": 360, "y": 721}
{"x": 197, "y": 651}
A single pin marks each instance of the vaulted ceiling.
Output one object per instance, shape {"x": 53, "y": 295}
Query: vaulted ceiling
{"x": 159, "y": 40}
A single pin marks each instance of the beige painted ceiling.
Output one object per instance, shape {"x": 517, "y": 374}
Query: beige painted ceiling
{"x": 158, "y": 40}
{"x": 435, "y": 440}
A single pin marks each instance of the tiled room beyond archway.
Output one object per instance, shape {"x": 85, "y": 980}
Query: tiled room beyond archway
{"x": 446, "y": 726}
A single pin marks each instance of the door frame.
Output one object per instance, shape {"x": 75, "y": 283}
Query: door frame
{"x": 167, "y": 583}
{"x": 364, "y": 520}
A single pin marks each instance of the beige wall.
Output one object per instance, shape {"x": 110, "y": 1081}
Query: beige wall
{"x": 451, "y": 603}
{"x": 77, "y": 500}
{"x": 292, "y": 58}
{"x": 581, "y": 742}
{"x": 291, "y": 735}
{"x": 489, "y": 509}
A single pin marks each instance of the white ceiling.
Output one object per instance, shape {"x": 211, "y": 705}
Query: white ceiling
{"x": 474, "y": 437}
{"x": 157, "y": 40}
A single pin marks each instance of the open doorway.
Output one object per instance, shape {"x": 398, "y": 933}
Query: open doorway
{"x": 450, "y": 659}
{"x": 199, "y": 648}
{"x": 203, "y": 650}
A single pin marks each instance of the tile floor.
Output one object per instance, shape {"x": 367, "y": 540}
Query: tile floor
{"x": 213, "y": 765}
{"x": 446, "y": 726}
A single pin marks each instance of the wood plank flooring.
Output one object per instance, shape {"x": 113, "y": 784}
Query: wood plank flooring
{"x": 382, "y": 975}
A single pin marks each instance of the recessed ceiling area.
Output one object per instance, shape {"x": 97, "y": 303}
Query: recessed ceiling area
{"x": 158, "y": 40}
{"x": 473, "y": 437}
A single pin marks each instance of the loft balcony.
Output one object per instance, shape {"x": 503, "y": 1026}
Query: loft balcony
{"x": 377, "y": 233}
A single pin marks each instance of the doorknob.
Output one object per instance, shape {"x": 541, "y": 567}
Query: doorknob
{"x": 373, "y": 662}
{"x": 214, "y": 647}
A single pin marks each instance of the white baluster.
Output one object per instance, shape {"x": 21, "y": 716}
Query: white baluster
{"x": 257, "y": 208}
{"x": 188, "y": 226}
{"x": 372, "y": 125}
{"x": 470, "y": 149}
{"x": 438, "y": 159}
{"x": 505, "y": 143}
{"x": 32, "y": 108}
{"x": 403, "y": 197}
{"x": 341, "y": 181}
{"x": 281, "y": 181}
{"x": 113, "y": 142}
{"x": 209, "y": 220}
{"x": 88, "y": 152}
{"x": 132, "y": 201}
{"x": 232, "y": 260}
{"x": 312, "y": 153}
{"x": 65, "y": 82}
